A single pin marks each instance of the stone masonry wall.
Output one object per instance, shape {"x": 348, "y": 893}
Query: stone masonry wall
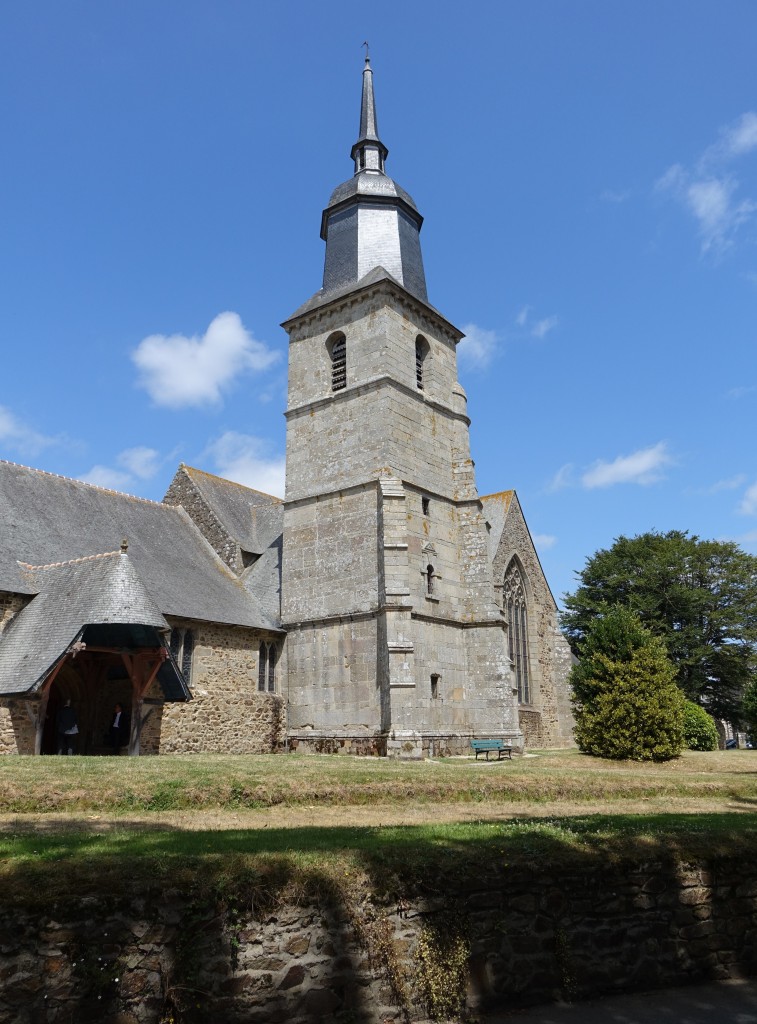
{"x": 227, "y": 713}
{"x": 549, "y": 654}
{"x": 17, "y": 730}
{"x": 497, "y": 941}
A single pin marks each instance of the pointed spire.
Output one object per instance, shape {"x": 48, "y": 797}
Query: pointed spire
{"x": 369, "y": 152}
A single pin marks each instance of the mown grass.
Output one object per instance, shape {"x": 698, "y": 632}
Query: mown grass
{"x": 41, "y": 867}
{"x": 209, "y": 782}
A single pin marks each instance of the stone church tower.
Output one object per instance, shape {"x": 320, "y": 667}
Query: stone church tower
{"x": 395, "y": 643}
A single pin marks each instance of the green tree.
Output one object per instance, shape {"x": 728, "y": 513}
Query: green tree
{"x": 750, "y": 709}
{"x": 699, "y": 730}
{"x": 625, "y": 698}
{"x": 699, "y": 596}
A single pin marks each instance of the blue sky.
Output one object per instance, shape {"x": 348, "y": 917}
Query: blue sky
{"x": 588, "y": 175}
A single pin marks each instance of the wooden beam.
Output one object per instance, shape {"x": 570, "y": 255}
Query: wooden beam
{"x": 146, "y": 665}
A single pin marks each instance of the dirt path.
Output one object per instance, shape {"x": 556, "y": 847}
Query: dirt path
{"x": 359, "y": 817}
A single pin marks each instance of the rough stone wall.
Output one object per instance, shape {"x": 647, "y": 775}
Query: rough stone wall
{"x": 227, "y": 713}
{"x": 17, "y": 730}
{"x": 361, "y": 462}
{"x": 182, "y": 491}
{"x": 527, "y": 937}
{"x": 549, "y": 653}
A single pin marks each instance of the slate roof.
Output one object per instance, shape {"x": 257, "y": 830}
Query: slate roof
{"x": 102, "y": 591}
{"x": 252, "y": 518}
{"x": 46, "y": 518}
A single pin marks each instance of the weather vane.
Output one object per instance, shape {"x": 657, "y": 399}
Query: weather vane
{"x": 367, "y": 54}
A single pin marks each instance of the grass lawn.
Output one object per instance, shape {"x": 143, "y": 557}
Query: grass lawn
{"x": 281, "y": 823}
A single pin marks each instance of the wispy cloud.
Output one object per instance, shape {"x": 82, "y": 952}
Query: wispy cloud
{"x": 132, "y": 466}
{"x": 479, "y": 346}
{"x": 710, "y": 191}
{"x": 544, "y": 540}
{"x": 610, "y": 196}
{"x": 179, "y": 372}
{"x": 246, "y": 460}
{"x": 740, "y": 392}
{"x": 20, "y": 437}
{"x": 537, "y": 329}
{"x": 106, "y": 476}
{"x": 543, "y": 327}
{"x": 748, "y": 503}
{"x": 644, "y": 466}
{"x": 140, "y": 461}
{"x": 730, "y": 484}
{"x": 563, "y": 478}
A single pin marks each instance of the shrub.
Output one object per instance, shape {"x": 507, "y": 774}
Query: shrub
{"x": 699, "y": 730}
{"x": 625, "y": 698}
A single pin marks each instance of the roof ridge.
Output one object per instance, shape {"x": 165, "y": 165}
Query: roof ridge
{"x": 71, "y": 561}
{"x": 234, "y": 483}
{"x": 83, "y": 483}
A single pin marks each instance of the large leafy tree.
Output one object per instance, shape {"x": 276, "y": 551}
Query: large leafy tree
{"x": 625, "y": 698}
{"x": 699, "y": 596}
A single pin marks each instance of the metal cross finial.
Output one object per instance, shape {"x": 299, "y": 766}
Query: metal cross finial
{"x": 124, "y": 545}
{"x": 367, "y": 52}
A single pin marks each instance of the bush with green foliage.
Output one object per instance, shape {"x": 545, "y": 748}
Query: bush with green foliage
{"x": 699, "y": 596}
{"x": 699, "y": 730}
{"x": 626, "y": 702}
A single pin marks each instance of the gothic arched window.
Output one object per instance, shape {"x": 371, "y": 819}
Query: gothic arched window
{"x": 337, "y": 346}
{"x": 421, "y": 351}
{"x": 515, "y": 606}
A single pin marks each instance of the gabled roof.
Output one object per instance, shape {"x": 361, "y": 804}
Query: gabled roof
{"x": 102, "y": 591}
{"x": 46, "y": 518}
{"x": 252, "y": 518}
{"x": 496, "y": 507}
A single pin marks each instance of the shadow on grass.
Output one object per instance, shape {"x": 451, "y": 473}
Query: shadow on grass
{"x": 498, "y": 887}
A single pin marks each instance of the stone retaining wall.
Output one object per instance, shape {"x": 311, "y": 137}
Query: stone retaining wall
{"x": 498, "y": 940}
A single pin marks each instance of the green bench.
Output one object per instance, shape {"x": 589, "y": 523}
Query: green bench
{"x": 486, "y": 745}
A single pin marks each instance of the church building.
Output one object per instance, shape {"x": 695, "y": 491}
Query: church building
{"x": 383, "y": 607}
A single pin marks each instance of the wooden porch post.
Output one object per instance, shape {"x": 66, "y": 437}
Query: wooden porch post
{"x": 142, "y": 668}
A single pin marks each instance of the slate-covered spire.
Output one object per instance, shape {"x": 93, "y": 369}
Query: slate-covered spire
{"x": 371, "y": 222}
{"x": 369, "y": 152}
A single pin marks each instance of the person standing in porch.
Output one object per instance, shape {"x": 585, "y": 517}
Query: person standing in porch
{"x": 67, "y": 728}
{"x": 118, "y": 734}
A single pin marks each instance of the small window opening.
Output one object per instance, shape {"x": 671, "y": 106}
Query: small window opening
{"x": 421, "y": 351}
{"x": 338, "y": 350}
{"x": 267, "y": 659}
{"x": 429, "y": 579}
{"x": 434, "y": 686}
{"x": 425, "y": 505}
{"x": 182, "y": 644}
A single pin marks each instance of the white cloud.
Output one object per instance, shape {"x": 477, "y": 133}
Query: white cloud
{"x": 709, "y": 190}
{"x": 748, "y": 504}
{"x": 523, "y": 316}
{"x": 544, "y": 326}
{"x": 479, "y": 346}
{"x": 730, "y": 484}
{"x": 243, "y": 458}
{"x": 142, "y": 462}
{"x": 563, "y": 478}
{"x": 544, "y": 540}
{"x": 739, "y": 392}
{"x": 19, "y": 436}
{"x": 609, "y": 196}
{"x": 103, "y": 476}
{"x": 642, "y": 467}
{"x": 177, "y": 371}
